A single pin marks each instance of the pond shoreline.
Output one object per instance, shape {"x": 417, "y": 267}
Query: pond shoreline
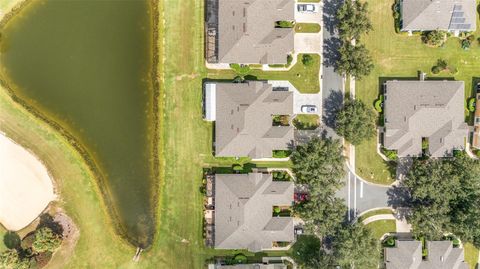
{"x": 100, "y": 183}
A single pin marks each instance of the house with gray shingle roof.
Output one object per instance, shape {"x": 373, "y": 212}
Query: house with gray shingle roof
{"x": 244, "y": 211}
{"x": 415, "y": 111}
{"x": 440, "y": 255}
{"x": 243, "y": 118}
{"x": 447, "y": 15}
{"x": 245, "y": 31}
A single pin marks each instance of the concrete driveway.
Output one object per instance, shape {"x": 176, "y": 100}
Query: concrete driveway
{"x": 301, "y": 99}
{"x": 308, "y": 43}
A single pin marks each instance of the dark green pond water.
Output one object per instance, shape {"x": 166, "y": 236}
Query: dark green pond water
{"x": 86, "y": 64}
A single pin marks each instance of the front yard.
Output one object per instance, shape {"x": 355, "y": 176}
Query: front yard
{"x": 399, "y": 55}
{"x": 381, "y": 227}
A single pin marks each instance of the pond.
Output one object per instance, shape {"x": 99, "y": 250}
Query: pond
{"x": 86, "y": 65}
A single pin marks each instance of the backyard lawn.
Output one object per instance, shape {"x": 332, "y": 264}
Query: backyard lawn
{"x": 401, "y": 56}
{"x": 381, "y": 227}
{"x": 471, "y": 255}
{"x": 304, "y": 78}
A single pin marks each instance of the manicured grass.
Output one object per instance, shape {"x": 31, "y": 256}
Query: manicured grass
{"x": 373, "y": 213}
{"x": 3, "y": 231}
{"x": 401, "y": 56}
{"x": 304, "y": 78}
{"x": 308, "y": 1}
{"x": 307, "y": 28}
{"x": 381, "y": 227}
{"x": 306, "y": 121}
{"x": 471, "y": 255}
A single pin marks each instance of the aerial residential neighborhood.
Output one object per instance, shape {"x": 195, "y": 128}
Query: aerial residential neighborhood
{"x": 240, "y": 134}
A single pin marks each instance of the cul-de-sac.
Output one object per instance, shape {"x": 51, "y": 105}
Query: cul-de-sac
{"x": 240, "y": 134}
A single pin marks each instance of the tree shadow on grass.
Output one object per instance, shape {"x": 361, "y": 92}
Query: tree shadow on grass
{"x": 46, "y": 220}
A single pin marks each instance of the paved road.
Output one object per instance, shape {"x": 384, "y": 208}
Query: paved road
{"x": 361, "y": 196}
{"x": 332, "y": 83}
{"x": 358, "y": 195}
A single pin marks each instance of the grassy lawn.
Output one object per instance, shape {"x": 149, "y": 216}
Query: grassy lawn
{"x": 373, "y": 213}
{"x": 471, "y": 255}
{"x": 2, "y": 233}
{"x": 304, "y": 78}
{"x": 381, "y": 227}
{"x": 307, "y": 27}
{"x": 306, "y": 121}
{"x": 401, "y": 56}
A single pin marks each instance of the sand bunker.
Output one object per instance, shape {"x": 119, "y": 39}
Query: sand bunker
{"x": 26, "y": 189}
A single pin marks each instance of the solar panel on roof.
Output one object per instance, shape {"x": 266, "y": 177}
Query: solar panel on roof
{"x": 457, "y": 14}
{"x": 457, "y": 7}
{"x": 458, "y": 20}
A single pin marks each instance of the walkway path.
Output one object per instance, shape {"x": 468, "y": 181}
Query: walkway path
{"x": 379, "y": 217}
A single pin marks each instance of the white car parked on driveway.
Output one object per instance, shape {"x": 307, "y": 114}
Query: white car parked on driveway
{"x": 306, "y": 8}
{"x": 309, "y": 109}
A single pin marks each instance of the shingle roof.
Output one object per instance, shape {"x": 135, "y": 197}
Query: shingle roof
{"x": 431, "y": 109}
{"x": 427, "y": 15}
{"x": 243, "y": 211}
{"x": 247, "y": 33}
{"x": 243, "y": 124}
{"x": 408, "y": 255}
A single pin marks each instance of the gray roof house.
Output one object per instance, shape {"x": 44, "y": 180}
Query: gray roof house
{"x": 243, "y": 118}
{"x": 244, "y": 211}
{"x": 408, "y": 254}
{"x": 247, "y": 34}
{"x": 418, "y": 110}
{"x": 447, "y": 15}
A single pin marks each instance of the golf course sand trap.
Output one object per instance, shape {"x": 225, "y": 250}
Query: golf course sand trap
{"x": 25, "y": 186}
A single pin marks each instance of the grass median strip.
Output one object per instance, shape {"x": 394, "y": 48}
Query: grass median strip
{"x": 307, "y": 27}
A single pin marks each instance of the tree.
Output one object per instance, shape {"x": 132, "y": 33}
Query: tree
{"x": 10, "y": 259}
{"x": 322, "y": 214}
{"x": 355, "y": 247}
{"x": 319, "y": 163}
{"x": 307, "y": 59}
{"x": 444, "y": 197}
{"x": 355, "y": 121}
{"x": 434, "y": 38}
{"x": 354, "y": 60}
{"x": 353, "y": 20}
{"x": 46, "y": 240}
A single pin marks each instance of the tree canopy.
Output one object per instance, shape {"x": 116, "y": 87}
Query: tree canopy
{"x": 354, "y": 60}
{"x": 353, "y": 19}
{"x": 355, "y": 121}
{"x": 444, "y": 197}
{"x": 46, "y": 240}
{"x": 355, "y": 247}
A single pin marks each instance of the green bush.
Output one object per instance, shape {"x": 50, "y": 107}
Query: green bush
{"x": 276, "y": 209}
{"x": 436, "y": 69}
{"x": 471, "y": 104}
{"x": 281, "y": 153}
{"x": 424, "y": 253}
{"x": 307, "y": 59}
{"x": 390, "y": 154}
{"x": 466, "y": 44}
{"x": 284, "y": 24}
{"x": 389, "y": 241}
{"x": 237, "y": 167}
{"x": 442, "y": 64}
{"x": 289, "y": 60}
{"x": 240, "y": 258}
{"x": 434, "y": 38}
{"x": 379, "y": 103}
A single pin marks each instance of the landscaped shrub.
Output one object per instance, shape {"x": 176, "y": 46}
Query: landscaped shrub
{"x": 281, "y": 153}
{"x": 280, "y": 120}
{"x": 240, "y": 258}
{"x": 276, "y": 209}
{"x": 466, "y": 44}
{"x": 289, "y": 60}
{"x": 307, "y": 59}
{"x": 379, "y": 103}
{"x": 471, "y": 104}
{"x": 237, "y": 167}
{"x": 284, "y": 24}
{"x": 390, "y": 154}
{"x": 436, "y": 69}
{"x": 238, "y": 79}
{"x": 389, "y": 241}
{"x": 396, "y": 16}
{"x": 434, "y": 38}
{"x": 281, "y": 176}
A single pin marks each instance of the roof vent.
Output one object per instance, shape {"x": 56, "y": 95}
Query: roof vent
{"x": 442, "y": 259}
